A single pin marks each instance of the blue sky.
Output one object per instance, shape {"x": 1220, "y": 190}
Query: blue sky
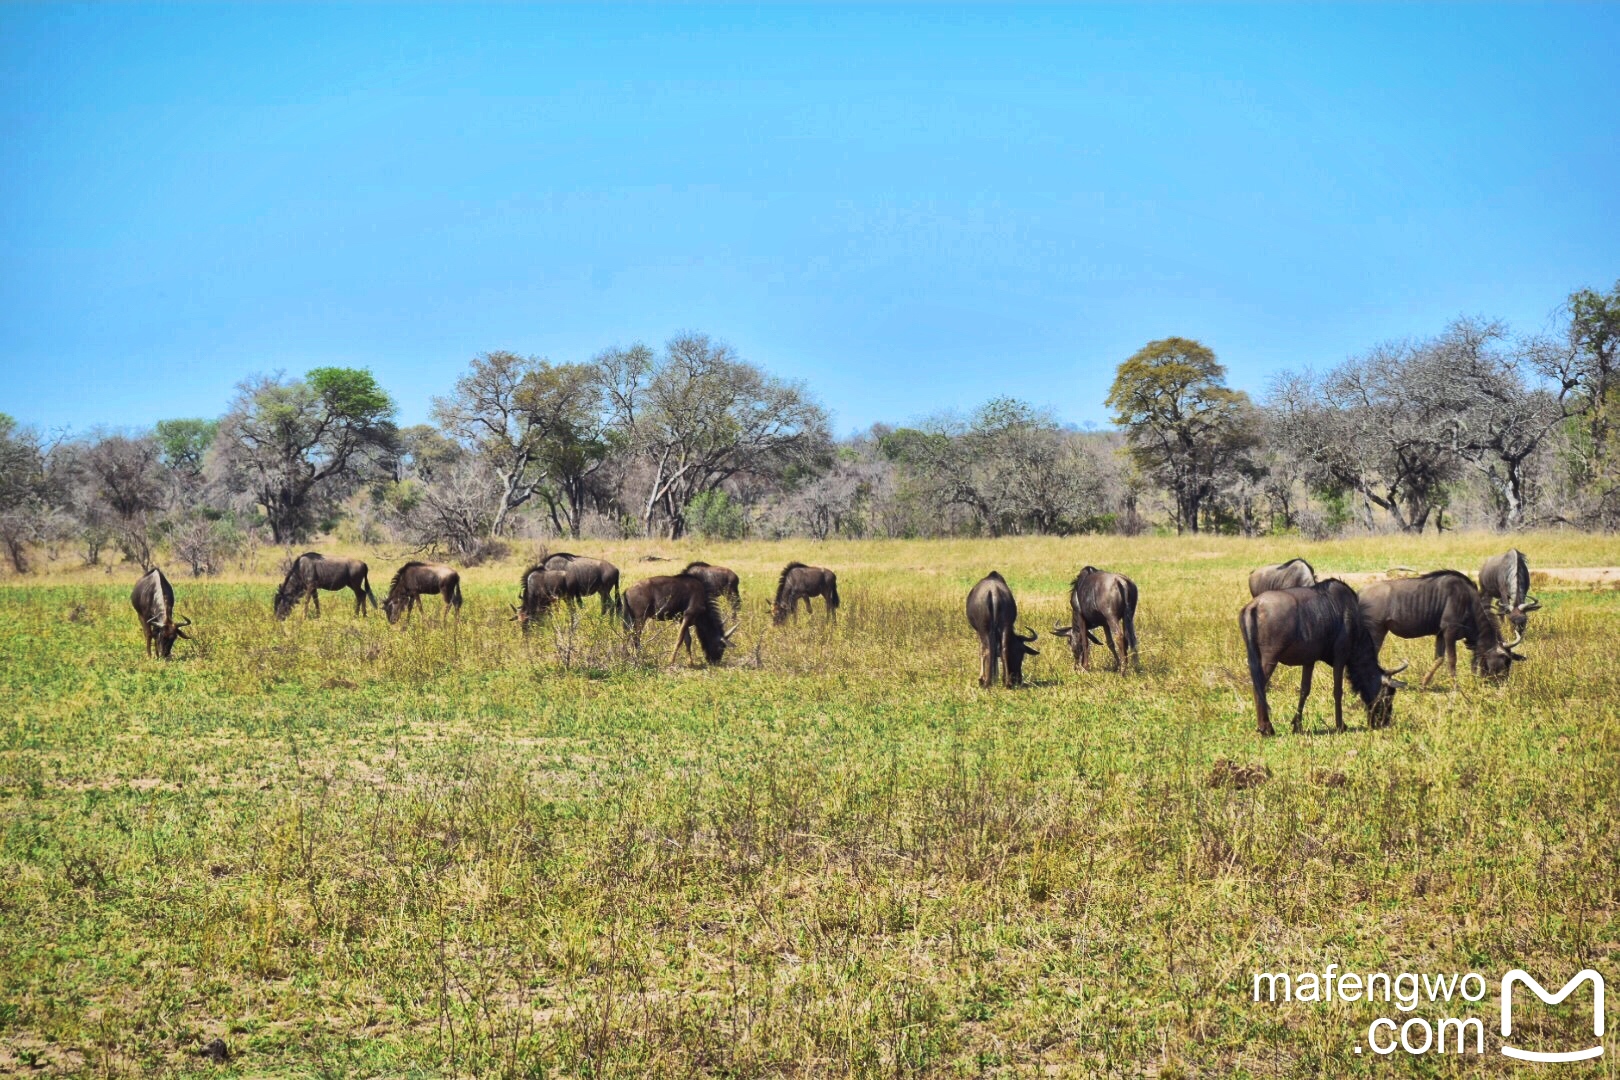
{"x": 911, "y": 209}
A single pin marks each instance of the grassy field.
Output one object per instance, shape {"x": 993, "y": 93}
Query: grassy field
{"x": 349, "y": 850}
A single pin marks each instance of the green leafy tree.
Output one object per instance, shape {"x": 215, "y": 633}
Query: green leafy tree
{"x": 1183, "y": 425}
{"x": 297, "y": 445}
{"x": 25, "y": 491}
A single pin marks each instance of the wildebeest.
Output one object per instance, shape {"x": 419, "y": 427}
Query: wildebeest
{"x": 1446, "y": 604}
{"x": 1303, "y": 627}
{"x": 992, "y": 612}
{"x": 417, "y": 579}
{"x": 720, "y": 580}
{"x": 586, "y": 576}
{"x": 1106, "y": 599}
{"x": 153, "y": 601}
{"x": 1505, "y": 581}
{"x": 800, "y": 582}
{"x": 539, "y": 589}
{"x": 671, "y": 597}
{"x": 312, "y": 572}
{"x": 1293, "y": 574}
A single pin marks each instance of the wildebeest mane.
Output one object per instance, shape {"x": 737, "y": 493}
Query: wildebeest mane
{"x": 399, "y": 575}
{"x": 781, "y": 581}
{"x": 695, "y": 564}
{"x": 523, "y": 590}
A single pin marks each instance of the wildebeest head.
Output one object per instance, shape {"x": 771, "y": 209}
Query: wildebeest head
{"x": 1382, "y": 708}
{"x": 285, "y": 599}
{"x": 1067, "y": 634}
{"x": 1017, "y": 649}
{"x": 1518, "y": 616}
{"x": 165, "y": 635}
{"x": 1495, "y": 661}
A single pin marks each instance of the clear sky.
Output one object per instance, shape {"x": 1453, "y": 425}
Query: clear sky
{"x": 911, "y": 209}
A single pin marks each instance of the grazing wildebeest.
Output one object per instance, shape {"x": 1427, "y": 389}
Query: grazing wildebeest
{"x": 1101, "y": 598}
{"x": 312, "y": 572}
{"x": 671, "y": 597}
{"x": 415, "y": 580}
{"x": 1505, "y": 580}
{"x": 720, "y": 580}
{"x": 1293, "y": 574}
{"x": 585, "y": 577}
{"x": 540, "y": 589}
{"x": 153, "y": 601}
{"x": 1303, "y": 627}
{"x": 801, "y": 582}
{"x": 992, "y": 612}
{"x": 1445, "y": 604}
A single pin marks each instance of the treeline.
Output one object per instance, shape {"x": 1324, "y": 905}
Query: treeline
{"x": 1473, "y": 427}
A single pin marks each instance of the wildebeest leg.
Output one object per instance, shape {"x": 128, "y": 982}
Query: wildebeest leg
{"x": 683, "y": 638}
{"x": 315, "y": 595}
{"x": 1439, "y": 658}
{"x": 1260, "y": 705}
{"x": 1338, "y": 696}
{"x": 1085, "y": 643}
{"x": 1305, "y": 692}
{"x": 1116, "y": 643}
{"x": 359, "y": 600}
{"x": 987, "y": 665}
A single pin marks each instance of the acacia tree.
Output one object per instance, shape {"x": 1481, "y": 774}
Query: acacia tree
{"x": 538, "y": 428}
{"x": 698, "y": 417}
{"x": 295, "y": 445}
{"x": 1183, "y": 425}
{"x": 182, "y": 448}
{"x": 1584, "y": 363}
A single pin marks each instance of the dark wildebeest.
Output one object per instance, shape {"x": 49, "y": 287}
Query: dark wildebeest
{"x": 671, "y": 597}
{"x": 1303, "y": 627}
{"x": 540, "y": 589}
{"x": 801, "y": 582}
{"x": 720, "y": 580}
{"x": 1505, "y": 581}
{"x": 992, "y": 612}
{"x": 153, "y": 601}
{"x": 1293, "y": 574}
{"x": 585, "y": 577}
{"x": 1101, "y": 598}
{"x": 415, "y": 580}
{"x": 1446, "y": 604}
{"x": 312, "y": 572}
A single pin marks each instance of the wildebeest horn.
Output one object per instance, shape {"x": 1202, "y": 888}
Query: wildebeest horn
{"x": 727, "y": 633}
{"x": 1032, "y": 634}
{"x": 1396, "y": 671}
{"x": 1061, "y": 631}
{"x": 182, "y": 622}
{"x": 1532, "y": 605}
{"x": 1515, "y": 641}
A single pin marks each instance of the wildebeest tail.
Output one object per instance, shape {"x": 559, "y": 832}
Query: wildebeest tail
{"x": 832, "y": 591}
{"x": 1249, "y": 624}
{"x": 369, "y": 594}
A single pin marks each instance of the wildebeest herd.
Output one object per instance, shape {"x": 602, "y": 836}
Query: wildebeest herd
{"x": 1293, "y": 618}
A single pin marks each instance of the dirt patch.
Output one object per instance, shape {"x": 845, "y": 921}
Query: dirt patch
{"x": 1229, "y": 774}
{"x": 1599, "y": 577}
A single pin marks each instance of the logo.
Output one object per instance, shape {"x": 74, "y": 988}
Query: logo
{"x": 1518, "y": 975}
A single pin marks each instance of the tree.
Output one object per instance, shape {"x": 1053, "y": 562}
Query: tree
{"x": 126, "y": 489}
{"x": 296, "y": 445}
{"x": 1182, "y": 424}
{"x": 699, "y": 417}
{"x": 1585, "y": 366}
{"x": 1374, "y": 426}
{"x": 540, "y": 429}
{"x": 182, "y": 447}
{"x": 25, "y": 491}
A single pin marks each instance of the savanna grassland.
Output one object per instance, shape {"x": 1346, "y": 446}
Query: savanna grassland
{"x": 351, "y": 850}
